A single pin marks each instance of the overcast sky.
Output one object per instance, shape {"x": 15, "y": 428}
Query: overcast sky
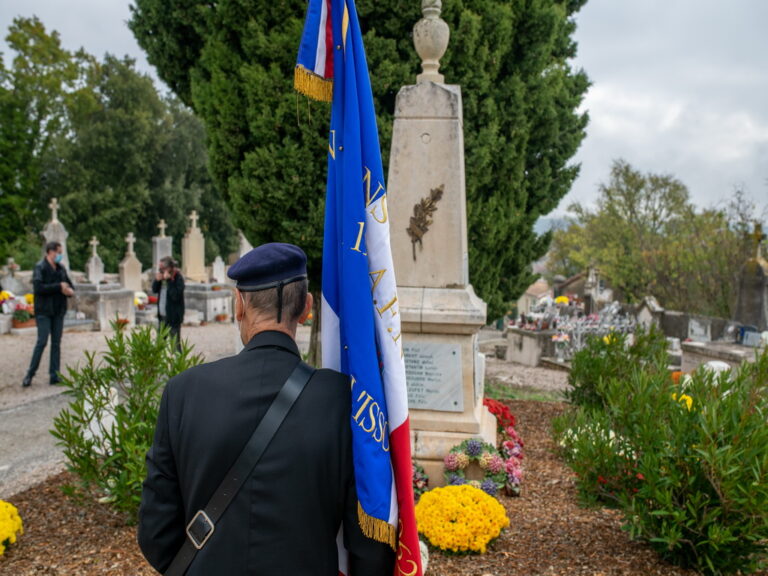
{"x": 678, "y": 86}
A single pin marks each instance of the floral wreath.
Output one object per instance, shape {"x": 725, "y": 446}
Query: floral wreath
{"x": 486, "y": 456}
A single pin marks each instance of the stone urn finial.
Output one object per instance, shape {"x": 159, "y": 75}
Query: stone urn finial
{"x": 430, "y": 36}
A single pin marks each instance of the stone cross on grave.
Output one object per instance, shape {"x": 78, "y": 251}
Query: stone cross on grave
{"x": 131, "y": 239}
{"x": 757, "y": 237}
{"x": 94, "y": 243}
{"x": 162, "y": 226}
{"x": 194, "y": 218}
{"x": 54, "y": 206}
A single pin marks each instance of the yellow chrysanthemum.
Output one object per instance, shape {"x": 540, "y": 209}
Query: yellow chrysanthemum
{"x": 30, "y": 299}
{"x": 10, "y": 525}
{"x": 460, "y": 518}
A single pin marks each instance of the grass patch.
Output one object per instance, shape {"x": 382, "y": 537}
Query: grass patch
{"x": 500, "y": 391}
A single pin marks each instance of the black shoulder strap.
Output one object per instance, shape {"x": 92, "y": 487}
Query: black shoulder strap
{"x": 202, "y": 526}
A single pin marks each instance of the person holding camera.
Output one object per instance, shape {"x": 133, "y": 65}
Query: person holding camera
{"x": 52, "y": 287}
{"x": 169, "y": 286}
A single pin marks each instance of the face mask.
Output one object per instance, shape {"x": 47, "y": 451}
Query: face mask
{"x": 58, "y": 258}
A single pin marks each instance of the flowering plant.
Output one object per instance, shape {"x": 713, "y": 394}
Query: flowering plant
{"x": 10, "y": 525}
{"x": 22, "y": 313}
{"x": 460, "y": 519}
{"x": 561, "y": 337}
{"x": 504, "y": 417}
{"x": 562, "y": 300}
{"x": 475, "y": 451}
{"x": 512, "y": 450}
{"x": 420, "y": 480}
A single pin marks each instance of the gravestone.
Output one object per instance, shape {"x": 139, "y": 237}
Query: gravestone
{"x": 94, "y": 267}
{"x": 193, "y": 252}
{"x": 426, "y": 205}
{"x": 54, "y": 231}
{"x": 752, "y": 303}
{"x": 8, "y": 280}
{"x": 162, "y": 246}
{"x": 219, "y": 271}
{"x": 130, "y": 267}
{"x": 244, "y": 246}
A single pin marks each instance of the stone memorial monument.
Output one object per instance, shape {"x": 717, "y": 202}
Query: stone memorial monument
{"x": 244, "y": 246}
{"x": 130, "y": 267}
{"x": 94, "y": 267}
{"x": 441, "y": 315}
{"x": 193, "y": 252}
{"x": 752, "y": 303}
{"x": 162, "y": 246}
{"x": 54, "y": 231}
{"x": 8, "y": 279}
{"x": 219, "y": 271}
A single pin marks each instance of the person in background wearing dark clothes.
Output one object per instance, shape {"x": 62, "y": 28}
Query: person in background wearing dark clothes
{"x": 52, "y": 286}
{"x": 169, "y": 286}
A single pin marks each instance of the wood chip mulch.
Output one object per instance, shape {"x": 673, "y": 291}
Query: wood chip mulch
{"x": 549, "y": 534}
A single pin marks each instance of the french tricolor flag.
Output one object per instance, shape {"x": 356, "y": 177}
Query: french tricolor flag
{"x": 361, "y": 333}
{"x": 313, "y": 75}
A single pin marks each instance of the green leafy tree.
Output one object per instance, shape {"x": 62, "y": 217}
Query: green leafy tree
{"x": 233, "y": 63}
{"x": 128, "y": 159}
{"x": 32, "y": 99}
{"x": 648, "y": 239}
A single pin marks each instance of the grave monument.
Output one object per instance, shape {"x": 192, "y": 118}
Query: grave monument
{"x": 193, "y": 252}
{"x": 441, "y": 315}
{"x": 130, "y": 267}
{"x": 752, "y": 303}
{"x": 94, "y": 267}
{"x": 54, "y": 231}
{"x": 162, "y": 246}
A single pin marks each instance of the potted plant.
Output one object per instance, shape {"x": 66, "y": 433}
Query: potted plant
{"x": 22, "y": 318}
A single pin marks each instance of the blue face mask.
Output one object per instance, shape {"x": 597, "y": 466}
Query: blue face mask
{"x": 58, "y": 258}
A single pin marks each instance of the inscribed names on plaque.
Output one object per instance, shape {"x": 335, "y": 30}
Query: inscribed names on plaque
{"x": 433, "y": 374}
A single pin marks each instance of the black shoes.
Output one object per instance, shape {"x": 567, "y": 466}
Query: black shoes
{"x": 26, "y": 382}
{"x": 55, "y": 380}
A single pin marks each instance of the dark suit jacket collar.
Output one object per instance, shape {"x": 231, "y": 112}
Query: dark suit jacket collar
{"x": 272, "y": 338}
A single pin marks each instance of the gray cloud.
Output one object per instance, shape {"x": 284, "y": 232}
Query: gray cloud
{"x": 679, "y": 86}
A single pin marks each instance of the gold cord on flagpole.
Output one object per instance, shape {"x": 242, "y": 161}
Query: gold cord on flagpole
{"x": 376, "y": 529}
{"x": 312, "y": 85}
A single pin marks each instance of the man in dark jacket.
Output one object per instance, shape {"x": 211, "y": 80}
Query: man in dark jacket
{"x": 286, "y": 517}
{"x": 52, "y": 286}
{"x": 169, "y": 286}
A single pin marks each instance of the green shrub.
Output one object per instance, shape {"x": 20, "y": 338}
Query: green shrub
{"x": 612, "y": 357}
{"x": 109, "y": 424}
{"x": 694, "y": 483}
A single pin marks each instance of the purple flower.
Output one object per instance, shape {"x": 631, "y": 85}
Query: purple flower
{"x": 474, "y": 448}
{"x": 489, "y": 487}
{"x": 456, "y": 480}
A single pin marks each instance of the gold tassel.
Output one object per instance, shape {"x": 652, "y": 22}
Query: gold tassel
{"x": 376, "y": 529}
{"x": 312, "y": 85}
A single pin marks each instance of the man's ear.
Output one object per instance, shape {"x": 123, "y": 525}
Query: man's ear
{"x": 239, "y": 308}
{"x": 307, "y": 308}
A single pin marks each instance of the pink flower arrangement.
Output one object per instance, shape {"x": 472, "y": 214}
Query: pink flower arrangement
{"x": 451, "y": 461}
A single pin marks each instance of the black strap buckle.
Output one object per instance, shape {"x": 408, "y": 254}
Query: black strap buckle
{"x": 200, "y": 529}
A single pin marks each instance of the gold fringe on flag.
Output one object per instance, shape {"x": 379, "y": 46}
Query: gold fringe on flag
{"x": 312, "y": 85}
{"x": 376, "y": 529}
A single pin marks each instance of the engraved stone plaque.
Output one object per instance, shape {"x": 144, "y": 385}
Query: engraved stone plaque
{"x": 433, "y": 374}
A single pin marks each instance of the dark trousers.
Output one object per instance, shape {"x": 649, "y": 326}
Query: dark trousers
{"x": 52, "y": 326}
{"x": 174, "y": 331}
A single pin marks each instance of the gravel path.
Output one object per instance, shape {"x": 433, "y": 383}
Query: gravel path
{"x": 28, "y": 453}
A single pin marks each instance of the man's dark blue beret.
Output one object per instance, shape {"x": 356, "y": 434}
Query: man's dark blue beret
{"x": 269, "y": 266}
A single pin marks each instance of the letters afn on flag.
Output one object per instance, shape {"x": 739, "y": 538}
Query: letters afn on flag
{"x": 360, "y": 312}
